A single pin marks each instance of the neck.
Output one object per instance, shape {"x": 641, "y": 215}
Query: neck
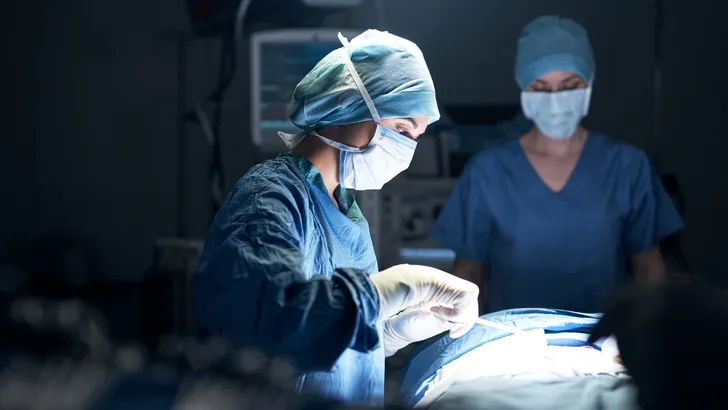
{"x": 324, "y": 157}
{"x": 557, "y": 148}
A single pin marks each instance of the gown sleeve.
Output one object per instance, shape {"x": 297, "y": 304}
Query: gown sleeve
{"x": 250, "y": 288}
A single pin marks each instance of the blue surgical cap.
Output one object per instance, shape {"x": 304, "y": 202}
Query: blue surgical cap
{"x": 553, "y": 43}
{"x": 393, "y": 71}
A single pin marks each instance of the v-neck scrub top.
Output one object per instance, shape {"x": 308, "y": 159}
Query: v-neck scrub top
{"x": 561, "y": 250}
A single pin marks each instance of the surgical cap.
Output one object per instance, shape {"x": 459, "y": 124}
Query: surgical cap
{"x": 393, "y": 71}
{"x": 553, "y": 43}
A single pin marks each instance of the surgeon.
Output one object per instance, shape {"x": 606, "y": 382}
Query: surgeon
{"x": 562, "y": 216}
{"x": 289, "y": 265}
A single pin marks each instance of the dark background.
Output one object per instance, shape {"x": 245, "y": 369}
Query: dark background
{"x": 89, "y": 139}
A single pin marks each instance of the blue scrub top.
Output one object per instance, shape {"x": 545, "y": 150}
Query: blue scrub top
{"x": 566, "y": 250}
{"x": 287, "y": 271}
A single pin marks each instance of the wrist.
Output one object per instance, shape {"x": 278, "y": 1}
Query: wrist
{"x": 391, "y": 340}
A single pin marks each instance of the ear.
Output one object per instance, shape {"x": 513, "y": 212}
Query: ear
{"x": 358, "y": 135}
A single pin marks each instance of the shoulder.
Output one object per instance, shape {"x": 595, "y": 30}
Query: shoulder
{"x": 627, "y": 157}
{"x": 271, "y": 186}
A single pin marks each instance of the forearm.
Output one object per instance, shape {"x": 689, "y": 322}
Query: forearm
{"x": 648, "y": 268}
{"x": 296, "y": 319}
{"x": 473, "y": 272}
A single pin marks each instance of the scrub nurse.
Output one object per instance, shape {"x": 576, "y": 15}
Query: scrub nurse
{"x": 289, "y": 265}
{"x": 564, "y": 215}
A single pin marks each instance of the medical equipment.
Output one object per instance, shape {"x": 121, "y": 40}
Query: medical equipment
{"x": 169, "y": 298}
{"x": 468, "y": 129}
{"x": 211, "y": 18}
{"x": 279, "y": 60}
{"x": 431, "y": 157}
{"x": 489, "y": 323}
{"x": 409, "y": 208}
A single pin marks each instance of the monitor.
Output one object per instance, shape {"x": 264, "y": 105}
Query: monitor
{"x": 279, "y": 60}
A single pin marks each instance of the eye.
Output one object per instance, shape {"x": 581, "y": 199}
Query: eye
{"x": 404, "y": 131}
{"x": 572, "y": 86}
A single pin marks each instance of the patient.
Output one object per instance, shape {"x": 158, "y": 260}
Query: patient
{"x": 673, "y": 340}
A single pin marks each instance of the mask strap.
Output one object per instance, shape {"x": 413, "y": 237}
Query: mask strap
{"x": 336, "y": 144}
{"x": 358, "y": 82}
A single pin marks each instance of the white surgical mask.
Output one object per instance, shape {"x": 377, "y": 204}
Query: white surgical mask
{"x": 369, "y": 168}
{"x": 388, "y": 154}
{"x": 556, "y": 114}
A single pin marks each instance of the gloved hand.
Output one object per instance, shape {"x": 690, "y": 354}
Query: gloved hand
{"x": 409, "y": 326}
{"x": 448, "y": 297}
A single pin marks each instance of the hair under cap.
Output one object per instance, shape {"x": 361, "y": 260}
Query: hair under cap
{"x": 393, "y": 71}
{"x": 553, "y": 43}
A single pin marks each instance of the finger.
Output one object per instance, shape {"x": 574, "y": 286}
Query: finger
{"x": 462, "y": 320}
{"x": 444, "y": 312}
{"x": 436, "y": 326}
{"x": 461, "y": 313}
{"x": 452, "y": 315}
{"x": 460, "y": 330}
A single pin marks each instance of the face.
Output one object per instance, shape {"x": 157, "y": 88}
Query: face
{"x": 558, "y": 81}
{"x": 361, "y": 134}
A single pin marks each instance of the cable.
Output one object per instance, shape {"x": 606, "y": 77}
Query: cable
{"x": 228, "y": 68}
{"x": 181, "y": 136}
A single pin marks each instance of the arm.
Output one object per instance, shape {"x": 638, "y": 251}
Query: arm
{"x": 464, "y": 225}
{"x": 473, "y": 272}
{"x": 250, "y": 287}
{"x": 652, "y": 217}
{"x": 648, "y": 267}
{"x": 469, "y": 270}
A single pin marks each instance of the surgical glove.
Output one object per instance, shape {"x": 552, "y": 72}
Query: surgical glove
{"x": 409, "y": 326}
{"x": 448, "y": 297}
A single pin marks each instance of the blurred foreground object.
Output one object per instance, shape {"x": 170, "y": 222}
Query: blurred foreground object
{"x": 53, "y": 355}
{"x": 57, "y": 356}
{"x": 673, "y": 341}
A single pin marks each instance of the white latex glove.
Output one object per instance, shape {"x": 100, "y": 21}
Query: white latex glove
{"x": 409, "y": 326}
{"x": 448, "y": 297}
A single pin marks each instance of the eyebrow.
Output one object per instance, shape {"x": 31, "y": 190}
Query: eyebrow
{"x": 572, "y": 77}
{"x": 414, "y": 124}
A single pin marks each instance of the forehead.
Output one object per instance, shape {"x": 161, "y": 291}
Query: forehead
{"x": 558, "y": 77}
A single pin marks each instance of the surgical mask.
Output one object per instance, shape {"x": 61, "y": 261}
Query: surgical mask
{"x": 556, "y": 114}
{"x": 388, "y": 154}
{"x": 369, "y": 168}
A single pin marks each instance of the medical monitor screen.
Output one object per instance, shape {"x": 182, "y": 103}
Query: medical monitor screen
{"x": 281, "y": 68}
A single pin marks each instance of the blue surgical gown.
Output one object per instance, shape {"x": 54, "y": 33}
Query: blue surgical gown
{"x": 566, "y": 250}
{"x": 287, "y": 271}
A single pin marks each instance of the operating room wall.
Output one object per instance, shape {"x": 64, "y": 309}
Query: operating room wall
{"x": 692, "y": 127}
{"x": 99, "y": 147}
